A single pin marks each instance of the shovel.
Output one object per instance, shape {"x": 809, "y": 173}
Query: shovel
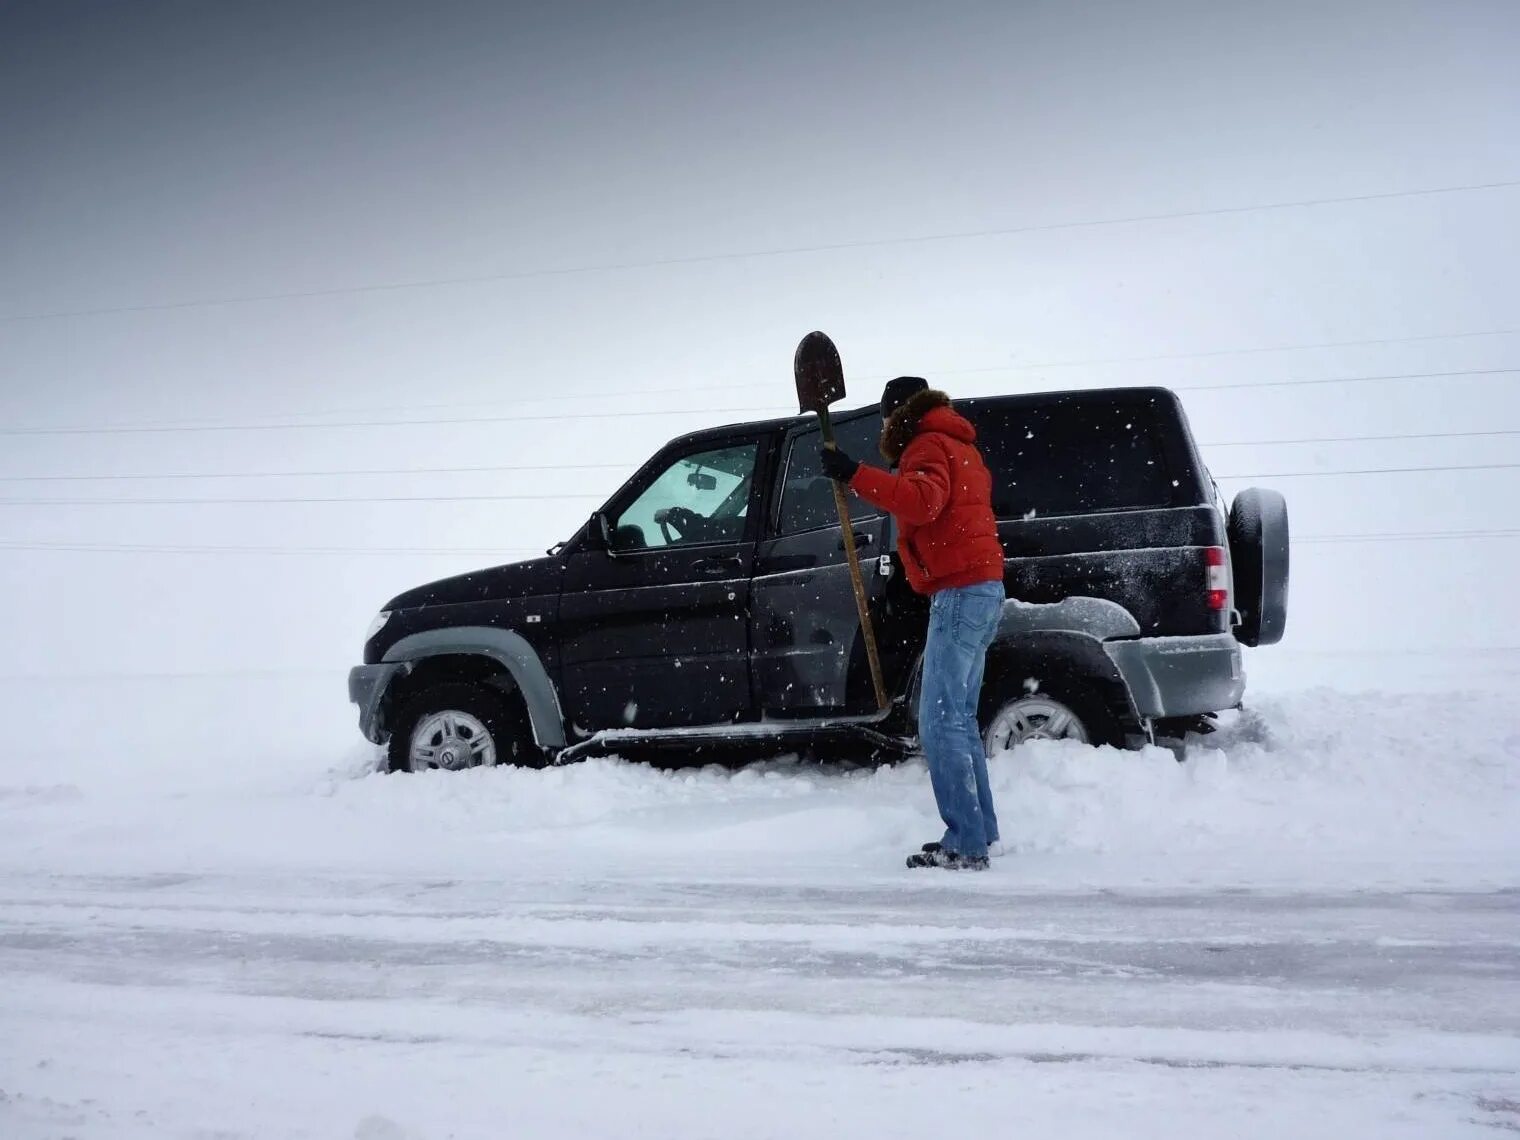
{"x": 820, "y": 382}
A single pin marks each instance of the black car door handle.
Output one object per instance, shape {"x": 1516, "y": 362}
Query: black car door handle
{"x": 860, "y": 540}
{"x": 717, "y": 567}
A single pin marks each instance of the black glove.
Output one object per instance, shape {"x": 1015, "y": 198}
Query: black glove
{"x": 837, "y": 465}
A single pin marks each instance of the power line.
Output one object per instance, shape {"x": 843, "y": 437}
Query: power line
{"x": 1359, "y": 438}
{"x": 283, "y": 500}
{"x": 1251, "y": 351}
{"x": 292, "y": 499}
{"x": 770, "y": 410}
{"x": 490, "y": 469}
{"x": 493, "y": 552}
{"x": 1344, "y": 380}
{"x": 692, "y": 389}
{"x": 1373, "y": 471}
{"x": 169, "y": 429}
{"x": 334, "y": 473}
{"x": 156, "y": 548}
{"x": 1408, "y": 536}
{"x": 784, "y": 251}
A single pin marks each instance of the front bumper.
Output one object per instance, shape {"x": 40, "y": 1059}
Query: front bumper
{"x": 367, "y": 685}
{"x": 1180, "y": 676}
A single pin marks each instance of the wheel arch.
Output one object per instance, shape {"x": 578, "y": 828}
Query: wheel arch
{"x": 488, "y": 655}
{"x": 1065, "y": 636}
{"x": 1095, "y": 619}
{"x": 435, "y": 669}
{"x": 1015, "y": 661}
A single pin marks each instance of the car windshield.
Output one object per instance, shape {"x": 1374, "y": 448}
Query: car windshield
{"x": 703, "y": 497}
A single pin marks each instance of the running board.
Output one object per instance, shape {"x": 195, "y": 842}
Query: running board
{"x": 768, "y": 734}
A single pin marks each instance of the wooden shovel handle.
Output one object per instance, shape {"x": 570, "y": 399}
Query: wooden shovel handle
{"x": 853, "y": 556}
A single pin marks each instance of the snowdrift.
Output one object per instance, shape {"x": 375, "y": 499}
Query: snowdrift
{"x": 1317, "y": 786}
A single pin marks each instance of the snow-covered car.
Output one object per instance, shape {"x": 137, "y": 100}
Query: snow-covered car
{"x": 708, "y": 602}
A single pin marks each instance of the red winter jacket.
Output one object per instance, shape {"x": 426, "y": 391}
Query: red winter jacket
{"x": 941, "y": 498}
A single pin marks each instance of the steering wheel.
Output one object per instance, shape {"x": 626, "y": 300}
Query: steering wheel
{"x": 685, "y": 521}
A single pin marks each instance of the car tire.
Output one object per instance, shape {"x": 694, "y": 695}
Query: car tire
{"x": 1258, "y": 536}
{"x": 461, "y": 725}
{"x": 1056, "y": 708}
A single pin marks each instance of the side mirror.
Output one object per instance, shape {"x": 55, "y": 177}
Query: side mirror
{"x": 600, "y": 533}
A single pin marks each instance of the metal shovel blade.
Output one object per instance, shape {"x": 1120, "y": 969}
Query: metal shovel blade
{"x": 819, "y": 373}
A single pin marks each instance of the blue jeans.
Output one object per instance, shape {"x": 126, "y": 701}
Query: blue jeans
{"x": 962, "y": 623}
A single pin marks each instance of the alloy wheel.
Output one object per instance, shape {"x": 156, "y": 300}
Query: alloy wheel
{"x": 1035, "y": 717}
{"x": 451, "y": 739}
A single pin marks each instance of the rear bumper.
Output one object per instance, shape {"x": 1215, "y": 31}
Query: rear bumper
{"x": 366, "y": 688}
{"x": 1180, "y": 676}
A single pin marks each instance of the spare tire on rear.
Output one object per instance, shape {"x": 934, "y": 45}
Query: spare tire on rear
{"x": 1259, "y": 560}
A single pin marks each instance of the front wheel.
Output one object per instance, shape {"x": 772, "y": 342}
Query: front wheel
{"x": 459, "y": 725}
{"x": 1051, "y": 710}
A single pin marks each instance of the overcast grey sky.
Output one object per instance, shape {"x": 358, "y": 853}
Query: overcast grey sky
{"x": 636, "y": 183}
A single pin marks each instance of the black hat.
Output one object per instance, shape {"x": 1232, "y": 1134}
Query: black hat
{"x": 899, "y": 391}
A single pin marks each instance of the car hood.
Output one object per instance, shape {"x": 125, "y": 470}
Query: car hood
{"x": 515, "y": 580}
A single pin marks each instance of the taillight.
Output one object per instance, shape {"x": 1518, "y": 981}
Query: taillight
{"x": 1218, "y": 581}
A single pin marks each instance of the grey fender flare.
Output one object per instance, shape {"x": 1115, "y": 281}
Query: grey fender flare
{"x": 1061, "y": 651}
{"x": 509, "y": 649}
{"x": 1097, "y": 618}
{"x": 1068, "y": 634}
{"x": 1071, "y": 630}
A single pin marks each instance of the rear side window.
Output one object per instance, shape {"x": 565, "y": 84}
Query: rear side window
{"x": 807, "y": 494}
{"x": 1074, "y": 458}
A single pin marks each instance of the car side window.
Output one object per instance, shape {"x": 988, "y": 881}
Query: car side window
{"x": 1074, "y": 459}
{"x": 699, "y": 498}
{"x": 807, "y": 498}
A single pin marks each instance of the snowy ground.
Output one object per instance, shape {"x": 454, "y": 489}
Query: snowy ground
{"x": 214, "y": 921}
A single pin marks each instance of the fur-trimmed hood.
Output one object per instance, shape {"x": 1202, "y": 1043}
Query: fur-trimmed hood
{"x": 927, "y": 410}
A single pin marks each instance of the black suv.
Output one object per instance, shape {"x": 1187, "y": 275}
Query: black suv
{"x": 709, "y": 602}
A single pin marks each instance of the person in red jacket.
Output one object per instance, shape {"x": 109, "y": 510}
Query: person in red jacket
{"x": 941, "y": 498}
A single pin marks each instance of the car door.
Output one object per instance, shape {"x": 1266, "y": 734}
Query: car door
{"x": 653, "y": 624}
{"x": 807, "y": 650}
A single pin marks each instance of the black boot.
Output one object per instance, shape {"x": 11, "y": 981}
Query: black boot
{"x": 934, "y": 855}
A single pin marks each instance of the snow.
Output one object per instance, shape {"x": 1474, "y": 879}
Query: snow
{"x": 216, "y": 918}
